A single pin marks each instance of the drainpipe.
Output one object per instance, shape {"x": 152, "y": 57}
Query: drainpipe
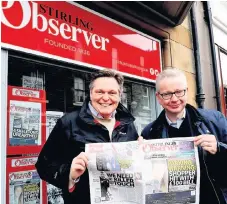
{"x": 200, "y": 96}
{"x": 208, "y": 19}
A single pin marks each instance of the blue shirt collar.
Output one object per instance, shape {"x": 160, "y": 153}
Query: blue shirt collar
{"x": 97, "y": 114}
{"x": 179, "y": 121}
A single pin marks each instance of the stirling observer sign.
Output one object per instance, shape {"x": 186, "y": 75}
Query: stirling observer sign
{"x": 69, "y": 31}
{"x": 52, "y": 26}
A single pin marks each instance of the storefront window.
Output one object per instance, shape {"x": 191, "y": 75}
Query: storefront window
{"x": 49, "y": 91}
{"x": 124, "y": 99}
{"x": 79, "y": 91}
{"x": 225, "y": 91}
{"x": 143, "y": 108}
{"x": 66, "y": 89}
{"x": 33, "y": 81}
{"x": 223, "y": 58}
{"x": 223, "y": 63}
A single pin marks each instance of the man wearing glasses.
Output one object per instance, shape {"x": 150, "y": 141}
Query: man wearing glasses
{"x": 179, "y": 119}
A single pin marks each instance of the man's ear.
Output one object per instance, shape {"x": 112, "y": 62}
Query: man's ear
{"x": 158, "y": 97}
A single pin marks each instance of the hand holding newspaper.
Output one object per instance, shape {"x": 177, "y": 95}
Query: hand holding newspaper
{"x": 149, "y": 172}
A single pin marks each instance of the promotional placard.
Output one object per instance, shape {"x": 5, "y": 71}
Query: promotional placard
{"x": 26, "y": 120}
{"x": 23, "y": 184}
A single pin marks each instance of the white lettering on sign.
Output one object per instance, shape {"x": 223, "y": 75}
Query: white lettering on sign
{"x": 52, "y": 26}
{"x": 20, "y": 176}
{"x": 154, "y": 72}
{"x": 25, "y": 93}
{"x": 24, "y": 162}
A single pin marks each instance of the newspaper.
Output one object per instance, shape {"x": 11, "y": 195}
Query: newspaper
{"x": 32, "y": 82}
{"x": 24, "y": 187}
{"x": 163, "y": 171}
{"x": 51, "y": 120}
{"x": 54, "y": 195}
{"x": 25, "y": 123}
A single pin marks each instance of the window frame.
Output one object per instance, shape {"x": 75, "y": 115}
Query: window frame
{"x": 80, "y": 81}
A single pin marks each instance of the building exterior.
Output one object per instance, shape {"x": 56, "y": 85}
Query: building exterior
{"x": 49, "y": 51}
{"x": 210, "y": 18}
{"x": 219, "y": 10}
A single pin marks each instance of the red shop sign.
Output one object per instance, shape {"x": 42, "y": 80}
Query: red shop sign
{"x": 73, "y": 33}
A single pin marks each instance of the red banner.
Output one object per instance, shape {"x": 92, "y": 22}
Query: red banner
{"x": 74, "y": 33}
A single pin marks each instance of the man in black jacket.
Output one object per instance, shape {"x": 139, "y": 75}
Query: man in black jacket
{"x": 179, "y": 119}
{"x": 62, "y": 161}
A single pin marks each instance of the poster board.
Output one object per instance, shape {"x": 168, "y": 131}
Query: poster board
{"x": 26, "y": 120}
{"x": 23, "y": 184}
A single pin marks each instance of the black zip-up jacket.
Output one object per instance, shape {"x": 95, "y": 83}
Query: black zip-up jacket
{"x": 68, "y": 139}
{"x": 213, "y": 168}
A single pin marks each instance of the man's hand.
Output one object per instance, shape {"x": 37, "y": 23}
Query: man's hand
{"x": 207, "y": 142}
{"x": 140, "y": 139}
{"x": 78, "y": 167}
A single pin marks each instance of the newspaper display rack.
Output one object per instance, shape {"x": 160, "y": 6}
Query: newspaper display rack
{"x": 26, "y": 120}
{"x": 23, "y": 181}
{"x": 155, "y": 171}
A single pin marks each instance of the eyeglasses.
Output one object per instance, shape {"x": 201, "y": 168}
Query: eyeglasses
{"x": 169, "y": 95}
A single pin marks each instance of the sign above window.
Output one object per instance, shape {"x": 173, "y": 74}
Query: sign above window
{"x": 73, "y": 33}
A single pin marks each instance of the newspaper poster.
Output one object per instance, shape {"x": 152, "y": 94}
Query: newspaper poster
{"x": 51, "y": 120}
{"x": 32, "y": 82}
{"x": 54, "y": 195}
{"x": 154, "y": 171}
{"x": 25, "y": 123}
{"x": 24, "y": 187}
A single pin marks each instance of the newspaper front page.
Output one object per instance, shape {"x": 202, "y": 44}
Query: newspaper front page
{"x": 32, "y": 82}
{"x": 25, "y": 123}
{"x": 163, "y": 171}
{"x": 54, "y": 194}
{"x": 51, "y": 120}
{"x": 24, "y": 187}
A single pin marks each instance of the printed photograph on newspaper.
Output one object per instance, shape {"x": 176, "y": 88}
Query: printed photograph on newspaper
{"x": 171, "y": 171}
{"x": 162, "y": 171}
{"x": 51, "y": 120}
{"x": 24, "y": 187}
{"x": 54, "y": 195}
{"x": 115, "y": 173}
{"x": 25, "y": 123}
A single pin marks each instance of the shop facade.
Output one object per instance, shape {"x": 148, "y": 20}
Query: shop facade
{"x": 219, "y": 26}
{"x": 210, "y": 18}
{"x": 47, "y": 56}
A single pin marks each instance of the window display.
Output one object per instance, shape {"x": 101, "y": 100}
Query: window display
{"x": 66, "y": 89}
{"x": 43, "y": 93}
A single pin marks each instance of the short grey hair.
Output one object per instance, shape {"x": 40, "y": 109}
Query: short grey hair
{"x": 169, "y": 73}
{"x": 107, "y": 73}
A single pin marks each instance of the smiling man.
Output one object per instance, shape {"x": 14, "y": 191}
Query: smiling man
{"x": 179, "y": 119}
{"x": 62, "y": 161}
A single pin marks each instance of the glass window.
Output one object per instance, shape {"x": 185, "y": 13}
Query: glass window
{"x": 223, "y": 59}
{"x": 223, "y": 63}
{"x": 124, "y": 97}
{"x": 225, "y": 91}
{"x": 79, "y": 91}
{"x": 146, "y": 104}
{"x": 67, "y": 88}
{"x": 143, "y": 107}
